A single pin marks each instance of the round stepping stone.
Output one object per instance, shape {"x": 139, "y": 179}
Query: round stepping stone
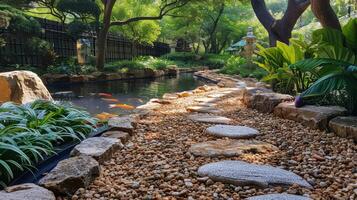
{"x": 278, "y": 197}
{"x": 207, "y": 104}
{"x": 206, "y": 100}
{"x": 203, "y": 109}
{"x": 217, "y": 95}
{"x": 238, "y": 132}
{"x": 206, "y": 118}
{"x": 243, "y": 174}
{"x": 229, "y": 148}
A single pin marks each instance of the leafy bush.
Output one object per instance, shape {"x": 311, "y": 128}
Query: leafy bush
{"x": 181, "y": 56}
{"x": 237, "y": 65}
{"x": 337, "y": 85}
{"x": 123, "y": 65}
{"x": 42, "y": 48}
{"x": 20, "y": 22}
{"x": 30, "y": 132}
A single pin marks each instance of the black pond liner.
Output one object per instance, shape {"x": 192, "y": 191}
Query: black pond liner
{"x": 50, "y": 162}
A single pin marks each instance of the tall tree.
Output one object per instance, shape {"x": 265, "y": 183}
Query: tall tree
{"x": 165, "y": 7}
{"x": 280, "y": 29}
{"x": 325, "y": 14}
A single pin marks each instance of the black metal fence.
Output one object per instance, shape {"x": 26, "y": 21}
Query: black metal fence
{"x": 118, "y": 47}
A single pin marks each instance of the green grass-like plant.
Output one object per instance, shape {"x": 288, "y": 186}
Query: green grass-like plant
{"x": 30, "y": 132}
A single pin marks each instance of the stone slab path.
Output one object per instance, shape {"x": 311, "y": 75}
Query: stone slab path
{"x": 206, "y": 118}
{"x": 238, "y": 132}
{"x": 156, "y": 162}
{"x": 242, "y": 173}
{"x": 230, "y": 148}
{"x": 278, "y": 197}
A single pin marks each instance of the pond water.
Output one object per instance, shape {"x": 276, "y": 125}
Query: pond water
{"x": 98, "y": 97}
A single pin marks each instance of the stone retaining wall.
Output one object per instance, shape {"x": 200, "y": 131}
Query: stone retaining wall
{"x": 107, "y": 76}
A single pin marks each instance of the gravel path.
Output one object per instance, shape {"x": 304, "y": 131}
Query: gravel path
{"x": 156, "y": 163}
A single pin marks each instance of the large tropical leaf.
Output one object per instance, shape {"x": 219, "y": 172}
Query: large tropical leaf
{"x": 329, "y": 36}
{"x": 350, "y": 33}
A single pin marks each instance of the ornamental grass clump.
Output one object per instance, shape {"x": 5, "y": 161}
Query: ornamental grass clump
{"x": 31, "y": 132}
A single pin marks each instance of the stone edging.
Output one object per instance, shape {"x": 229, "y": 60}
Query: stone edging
{"x": 105, "y": 76}
{"x": 257, "y": 96}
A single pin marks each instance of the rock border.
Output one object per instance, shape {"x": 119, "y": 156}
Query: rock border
{"x": 341, "y": 129}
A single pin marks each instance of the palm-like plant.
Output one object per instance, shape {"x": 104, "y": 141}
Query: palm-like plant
{"x": 30, "y": 132}
{"x": 337, "y": 85}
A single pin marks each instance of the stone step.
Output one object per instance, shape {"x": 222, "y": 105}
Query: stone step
{"x": 203, "y": 109}
{"x": 316, "y": 117}
{"x": 207, "y": 104}
{"x": 244, "y": 174}
{"x": 345, "y": 127}
{"x": 278, "y": 197}
{"x": 230, "y": 148}
{"x": 206, "y": 118}
{"x": 237, "y": 132}
{"x": 121, "y": 135}
{"x": 100, "y": 148}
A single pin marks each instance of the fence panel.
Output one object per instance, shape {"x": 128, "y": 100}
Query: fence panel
{"x": 118, "y": 47}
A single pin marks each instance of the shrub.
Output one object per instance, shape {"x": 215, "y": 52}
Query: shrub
{"x": 43, "y": 49}
{"x": 30, "y": 132}
{"x": 124, "y": 65}
{"x": 181, "y": 56}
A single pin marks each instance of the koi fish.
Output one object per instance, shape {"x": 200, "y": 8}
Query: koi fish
{"x": 105, "y": 116}
{"x": 110, "y": 100}
{"x": 122, "y": 106}
{"x": 105, "y": 94}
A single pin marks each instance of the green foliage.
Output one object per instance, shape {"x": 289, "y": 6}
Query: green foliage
{"x": 237, "y": 65}
{"x": 350, "y": 32}
{"x": 154, "y": 63}
{"x": 71, "y": 67}
{"x": 123, "y": 66}
{"x": 42, "y": 48}
{"x": 337, "y": 85}
{"x": 30, "y": 132}
{"x": 20, "y": 22}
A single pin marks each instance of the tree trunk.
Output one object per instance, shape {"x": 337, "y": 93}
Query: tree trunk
{"x": 325, "y": 14}
{"x": 103, "y": 33}
{"x": 279, "y": 30}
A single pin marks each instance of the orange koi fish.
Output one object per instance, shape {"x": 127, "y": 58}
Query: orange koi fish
{"x": 110, "y": 100}
{"x": 105, "y": 116}
{"x": 122, "y": 106}
{"x": 105, "y": 94}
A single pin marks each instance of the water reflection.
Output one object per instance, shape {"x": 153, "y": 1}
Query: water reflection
{"x": 129, "y": 92}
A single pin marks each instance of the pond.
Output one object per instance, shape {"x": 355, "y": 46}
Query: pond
{"x": 109, "y": 96}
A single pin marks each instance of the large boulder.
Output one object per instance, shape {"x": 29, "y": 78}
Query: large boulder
{"x": 22, "y": 87}
{"x": 316, "y": 117}
{"x": 28, "y": 191}
{"x": 71, "y": 174}
{"x": 266, "y": 102}
{"x": 345, "y": 127}
{"x": 100, "y": 148}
